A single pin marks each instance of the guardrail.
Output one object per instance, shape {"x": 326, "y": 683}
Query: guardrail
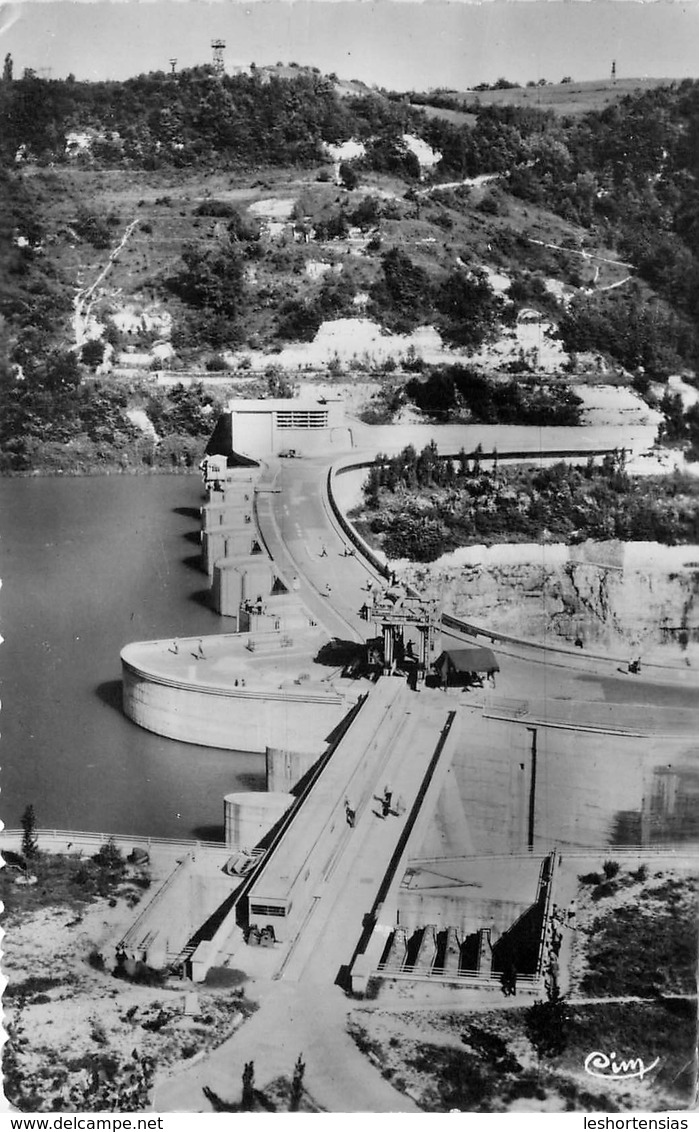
{"x": 348, "y": 529}
{"x": 77, "y": 838}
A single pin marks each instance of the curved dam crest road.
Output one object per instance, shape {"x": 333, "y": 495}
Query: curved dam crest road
{"x": 304, "y": 542}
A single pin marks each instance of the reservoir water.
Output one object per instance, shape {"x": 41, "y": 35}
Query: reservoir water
{"x": 89, "y": 564}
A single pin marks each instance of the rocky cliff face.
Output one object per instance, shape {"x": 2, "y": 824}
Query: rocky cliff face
{"x": 614, "y": 596}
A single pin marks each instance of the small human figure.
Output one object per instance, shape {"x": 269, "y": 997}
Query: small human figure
{"x": 349, "y": 814}
{"x": 242, "y": 683}
{"x": 554, "y": 970}
{"x": 328, "y": 589}
{"x": 200, "y": 648}
{"x": 174, "y": 647}
{"x": 296, "y": 585}
{"x": 323, "y": 550}
{"x": 578, "y": 642}
{"x": 508, "y": 979}
{"x": 386, "y": 801}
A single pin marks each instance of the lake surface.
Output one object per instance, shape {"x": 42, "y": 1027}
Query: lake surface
{"x": 89, "y": 564}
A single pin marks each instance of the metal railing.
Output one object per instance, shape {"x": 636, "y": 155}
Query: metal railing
{"x": 86, "y": 839}
{"x": 440, "y": 974}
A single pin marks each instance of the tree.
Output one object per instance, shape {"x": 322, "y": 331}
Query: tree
{"x": 405, "y": 293}
{"x": 92, "y": 353}
{"x": 30, "y": 845}
{"x": 248, "y": 1098}
{"x": 297, "y": 1084}
{"x": 348, "y": 176}
{"x": 110, "y": 857}
{"x": 7, "y": 69}
{"x": 470, "y": 308}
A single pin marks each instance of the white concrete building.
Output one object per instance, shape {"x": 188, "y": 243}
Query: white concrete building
{"x": 275, "y": 426}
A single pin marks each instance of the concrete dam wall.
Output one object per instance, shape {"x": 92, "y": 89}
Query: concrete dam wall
{"x": 236, "y": 719}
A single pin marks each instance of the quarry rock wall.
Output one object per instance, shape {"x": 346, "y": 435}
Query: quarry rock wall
{"x": 611, "y": 595}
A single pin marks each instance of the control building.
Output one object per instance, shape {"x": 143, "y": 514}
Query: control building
{"x": 253, "y": 429}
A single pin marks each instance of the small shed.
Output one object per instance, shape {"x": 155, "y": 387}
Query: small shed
{"x": 456, "y": 665}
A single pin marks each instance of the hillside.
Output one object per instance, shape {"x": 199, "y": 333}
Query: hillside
{"x": 563, "y": 99}
{"x": 268, "y": 222}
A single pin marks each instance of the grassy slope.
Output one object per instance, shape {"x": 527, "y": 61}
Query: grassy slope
{"x": 166, "y": 202}
{"x": 564, "y": 99}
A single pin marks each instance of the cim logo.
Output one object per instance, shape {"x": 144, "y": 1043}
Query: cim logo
{"x": 599, "y": 1064}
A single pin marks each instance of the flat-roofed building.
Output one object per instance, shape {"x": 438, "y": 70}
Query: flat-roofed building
{"x": 281, "y": 426}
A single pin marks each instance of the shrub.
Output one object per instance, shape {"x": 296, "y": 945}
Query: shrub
{"x": 610, "y": 869}
{"x": 607, "y": 888}
{"x": 92, "y": 353}
{"x": 110, "y": 857}
{"x": 217, "y": 208}
{"x": 215, "y": 363}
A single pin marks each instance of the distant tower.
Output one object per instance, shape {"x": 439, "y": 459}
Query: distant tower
{"x": 173, "y": 64}
{"x": 218, "y": 46}
{"x": 614, "y": 70}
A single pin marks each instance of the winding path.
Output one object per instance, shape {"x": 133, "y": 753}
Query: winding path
{"x": 82, "y": 303}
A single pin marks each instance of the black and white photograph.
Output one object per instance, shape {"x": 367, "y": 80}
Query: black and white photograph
{"x": 349, "y": 546}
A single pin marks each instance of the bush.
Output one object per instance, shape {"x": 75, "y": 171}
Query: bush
{"x": 96, "y": 960}
{"x": 215, "y": 364}
{"x": 94, "y": 229}
{"x": 610, "y": 869}
{"x": 92, "y": 353}
{"x": 110, "y": 857}
{"x": 217, "y": 208}
{"x": 607, "y": 888}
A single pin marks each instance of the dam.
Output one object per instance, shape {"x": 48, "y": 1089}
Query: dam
{"x": 328, "y": 671}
